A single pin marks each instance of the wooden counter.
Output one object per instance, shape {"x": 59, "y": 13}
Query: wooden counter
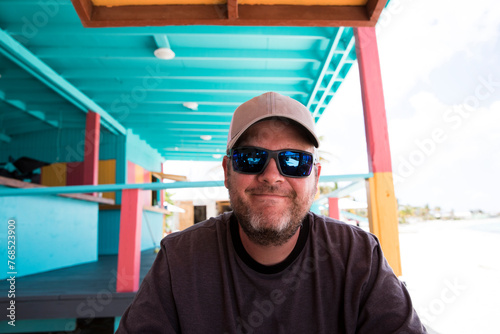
{"x": 13, "y": 183}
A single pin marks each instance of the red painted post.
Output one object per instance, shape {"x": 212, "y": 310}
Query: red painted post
{"x": 333, "y": 208}
{"x": 162, "y": 191}
{"x": 382, "y": 204}
{"x": 129, "y": 247}
{"x": 377, "y": 137}
{"x": 91, "y": 152}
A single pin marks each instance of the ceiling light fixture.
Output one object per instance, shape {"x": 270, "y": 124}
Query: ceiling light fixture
{"x": 191, "y": 105}
{"x": 206, "y": 137}
{"x": 164, "y": 51}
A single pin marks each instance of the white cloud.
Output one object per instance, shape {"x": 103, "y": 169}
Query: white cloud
{"x": 423, "y": 35}
{"x": 460, "y": 172}
{"x": 416, "y": 45}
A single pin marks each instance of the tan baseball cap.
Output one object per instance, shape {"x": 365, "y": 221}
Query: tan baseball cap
{"x": 269, "y": 105}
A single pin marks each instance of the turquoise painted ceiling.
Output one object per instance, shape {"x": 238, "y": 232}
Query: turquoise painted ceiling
{"x": 52, "y": 70}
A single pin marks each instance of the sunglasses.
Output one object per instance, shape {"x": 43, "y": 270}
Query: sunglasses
{"x": 254, "y": 160}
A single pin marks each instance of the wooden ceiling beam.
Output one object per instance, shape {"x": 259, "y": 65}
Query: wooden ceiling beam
{"x": 374, "y": 8}
{"x": 84, "y": 9}
{"x": 232, "y": 9}
{"x": 230, "y": 13}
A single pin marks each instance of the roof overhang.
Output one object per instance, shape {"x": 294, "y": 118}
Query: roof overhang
{"x": 324, "y": 13}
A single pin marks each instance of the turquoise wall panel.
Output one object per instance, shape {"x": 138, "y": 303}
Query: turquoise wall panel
{"x": 39, "y": 325}
{"x": 121, "y": 166}
{"x": 51, "y": 232}
{"x": 109, "y": 231}
{"x": 152, "y": 229}
{"x": 140, "y": 153}
{"x": 65, "y": 145}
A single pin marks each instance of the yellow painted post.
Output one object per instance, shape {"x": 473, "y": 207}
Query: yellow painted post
{"x": 54, "y": 175}
{"x": 383, "y": 217}
{"x": 107, "y": 175}
{"x": 382, "y": 204}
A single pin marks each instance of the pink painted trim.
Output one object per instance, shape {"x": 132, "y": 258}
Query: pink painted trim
{"x": 377, "y": 137}
{"x": 91, "y": 153}
{"x": 74, "y": 173}
{"x": 162, "y": 191}
{"x": 129, "y": 247}
{"x": 333, "y": 208}
{"x": 130, "y": 172}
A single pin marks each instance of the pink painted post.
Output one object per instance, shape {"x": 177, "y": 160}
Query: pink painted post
{"x": 333, "y": 208}
{"x": 162, "y": 191}
{"x": 377, "y": 137}
{"x": 91, "y": 151}
{"x": 382, "y": 204}
{"x": 129, "y": 248}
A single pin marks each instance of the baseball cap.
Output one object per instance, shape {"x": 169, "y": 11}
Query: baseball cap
{"x": 269, "y": 105}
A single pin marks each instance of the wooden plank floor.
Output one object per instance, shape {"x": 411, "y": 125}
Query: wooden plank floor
{"x": 86, "y": 290}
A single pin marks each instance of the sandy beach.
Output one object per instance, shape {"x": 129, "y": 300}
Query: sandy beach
{"x": 452, "y": 270}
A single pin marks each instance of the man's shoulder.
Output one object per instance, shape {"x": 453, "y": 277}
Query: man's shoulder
{"x": 207, "y": 229}
{"x": 322, "y": 225}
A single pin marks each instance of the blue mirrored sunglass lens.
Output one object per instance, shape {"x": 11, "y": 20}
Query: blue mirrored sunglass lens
{"x": 295, "y": 163}
{"x": 249, "y": 160}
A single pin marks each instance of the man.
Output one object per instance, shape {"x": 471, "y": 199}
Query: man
{"x": 271, "y": 266}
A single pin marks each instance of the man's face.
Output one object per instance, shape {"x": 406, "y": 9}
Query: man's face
{"x": 269, "y": 206}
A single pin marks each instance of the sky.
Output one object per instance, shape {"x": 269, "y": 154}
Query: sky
{"x": 440, "y": 63}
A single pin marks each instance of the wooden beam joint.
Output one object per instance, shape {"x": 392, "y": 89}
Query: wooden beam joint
{"x": 232, "y": 9}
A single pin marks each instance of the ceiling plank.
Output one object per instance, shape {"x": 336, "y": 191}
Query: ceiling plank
{"x": 112, "y": 85}
{"x": 300, "y": 33}
{"x": 19, "y": 105}
{"x": 157, "y": 72}
{"x": 17, "y": 53}
{"x": 194, "y": 74}
{"x": 216, "y": 97}
{"x": 133, "y": 53}
{"x": 332, "y": 79}
{"x": 331, "y": 50}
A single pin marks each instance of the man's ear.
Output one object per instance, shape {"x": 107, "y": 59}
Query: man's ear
{"x": 224, "y": 166}
{"x": 318, "y": 165}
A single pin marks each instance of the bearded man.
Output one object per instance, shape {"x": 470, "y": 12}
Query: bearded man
{"x": 271, "y": 265}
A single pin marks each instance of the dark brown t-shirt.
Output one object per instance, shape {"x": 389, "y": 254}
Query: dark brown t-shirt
{"x": 336, "y": 280}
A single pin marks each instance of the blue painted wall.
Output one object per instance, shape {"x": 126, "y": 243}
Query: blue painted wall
{"x": 109, "y": 231}
{"x": 51, "y": 232}
{"x": 64, "y": 145}
{"x": 140, "y": 153}
{"x": 39, "y": 325}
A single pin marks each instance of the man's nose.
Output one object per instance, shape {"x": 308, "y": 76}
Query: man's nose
{"x": 271, "y": 173}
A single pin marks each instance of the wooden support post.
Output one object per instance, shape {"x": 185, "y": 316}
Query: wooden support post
{"x": 333, "y": 208}
{"x": 383, "y": 217}
{"x": 91, "y": 151}
{"x": 129, "y": 247}
{"x": 382, "y": 204}
{"x": 232, "y": 9}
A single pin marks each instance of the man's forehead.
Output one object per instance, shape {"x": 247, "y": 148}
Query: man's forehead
{"x": 270, "y": 129}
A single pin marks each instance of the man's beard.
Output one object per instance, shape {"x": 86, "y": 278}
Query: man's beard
{"x": 267, "y": 229}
